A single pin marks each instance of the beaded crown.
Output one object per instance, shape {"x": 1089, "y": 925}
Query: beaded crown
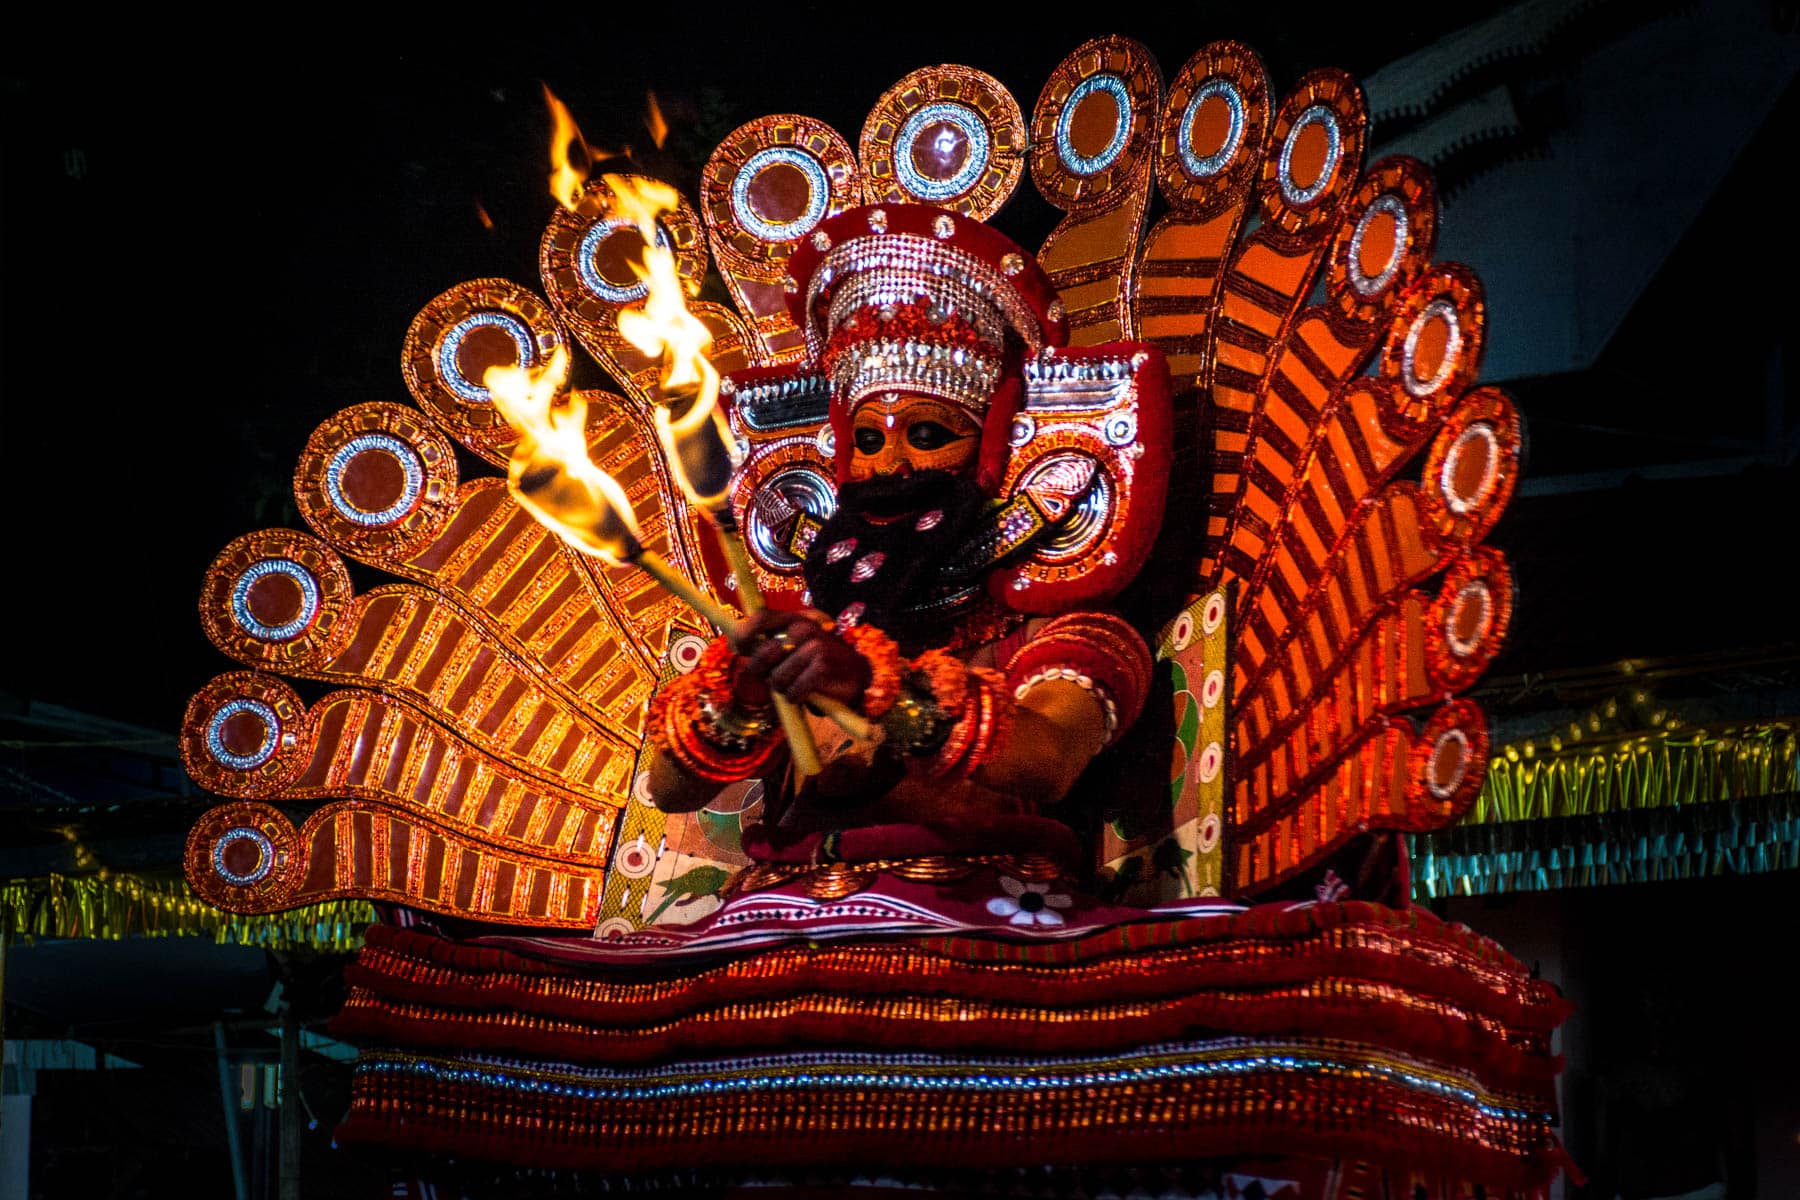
{"x": 917, "y": 298}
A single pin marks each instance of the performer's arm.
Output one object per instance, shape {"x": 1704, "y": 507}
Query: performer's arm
{"x": 789, "y": 652}
{"x": 1079, "y": 682}
{"x": 675, "y": 790}
{"x": 1029, "y": 731}
{"x": 1057, "y": 729}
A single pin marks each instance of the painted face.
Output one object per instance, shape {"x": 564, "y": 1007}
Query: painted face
{"x": 898, "y": 433}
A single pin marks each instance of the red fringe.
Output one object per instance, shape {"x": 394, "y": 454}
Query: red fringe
{"x": 366, "y": 1017}
{"x": 1154, "y": 969}
{"x": 1312, "y": 1121}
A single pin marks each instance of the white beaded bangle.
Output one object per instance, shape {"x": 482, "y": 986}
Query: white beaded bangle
{"x": 1086, "y": 683}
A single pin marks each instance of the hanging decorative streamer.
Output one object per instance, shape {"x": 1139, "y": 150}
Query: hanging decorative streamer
{"x": 1676, "y": 768}
{"x": 1670, "y": 804}
{"x": 1732, "y": 837}
{"x": 118, "y": 906}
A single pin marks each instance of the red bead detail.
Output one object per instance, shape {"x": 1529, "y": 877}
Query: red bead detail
{"x": 885, "y": 666}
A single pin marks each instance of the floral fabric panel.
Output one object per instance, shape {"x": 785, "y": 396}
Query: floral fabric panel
{"x": 1175, "y": 853}
{"x": 670, "y": 868}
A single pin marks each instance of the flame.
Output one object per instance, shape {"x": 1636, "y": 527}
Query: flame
{"x": 654, "y": 121}
{"x": 697, "y": 439}
{"x": 663, "y": 325}
{"x": 550, "y": 473}
{"x": 481, "y": 214}
{"x": 566, "y": 180}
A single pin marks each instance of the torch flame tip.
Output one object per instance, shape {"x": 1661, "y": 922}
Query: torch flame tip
{"x": 566, "y": 180}
{"x": 654, "y": 120}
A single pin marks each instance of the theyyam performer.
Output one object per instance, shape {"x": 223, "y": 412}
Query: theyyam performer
{"x": 990, "y": 699}
{"x": 1098, "y": 625}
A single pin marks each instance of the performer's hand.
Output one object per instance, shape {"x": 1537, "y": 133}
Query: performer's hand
{"x": 798, "y": 658}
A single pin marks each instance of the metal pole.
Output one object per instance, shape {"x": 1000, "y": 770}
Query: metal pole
{"x": 231, "y": 1121}
{"x": 290, "y": 1104}
{"x": 5, "y": 938}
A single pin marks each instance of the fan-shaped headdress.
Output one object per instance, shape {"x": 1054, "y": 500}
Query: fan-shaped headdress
{"x": 475, "y": 748}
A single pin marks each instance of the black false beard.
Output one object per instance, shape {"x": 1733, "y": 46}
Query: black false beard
{"x": 901, "y": 592}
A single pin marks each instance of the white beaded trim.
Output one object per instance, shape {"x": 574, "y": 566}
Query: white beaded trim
{"x": 1088, "y": 684}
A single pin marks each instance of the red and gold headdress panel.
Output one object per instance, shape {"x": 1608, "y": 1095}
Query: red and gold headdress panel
{"x": 909, "y": 298}
{"x": 903, "y": 297}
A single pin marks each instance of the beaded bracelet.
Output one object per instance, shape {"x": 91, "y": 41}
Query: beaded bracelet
{"x": 696, "y": 721}
{"x": 1095, "y": 651}
{"x": 714, "y": 670}
{"x": 885, "y": 667}
{"x": 982, "y": 729}
{"x": 946, "y": 676}
{"x": 948, "y": 718}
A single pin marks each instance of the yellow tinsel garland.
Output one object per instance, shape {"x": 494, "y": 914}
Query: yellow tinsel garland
{"x": 1654, "y": 770}
{"x": 117, "y": 906}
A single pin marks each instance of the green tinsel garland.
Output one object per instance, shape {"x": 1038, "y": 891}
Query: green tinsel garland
{"x": 1673, "y": 804}
{"x": 1663, "y": 769}
{"x": 1719, "y": 838}
{"x": 117, "y": 906}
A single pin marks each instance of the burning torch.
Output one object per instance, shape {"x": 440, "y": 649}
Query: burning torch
{"x": 553, "y": 478}
{"x": 692, "y": 428}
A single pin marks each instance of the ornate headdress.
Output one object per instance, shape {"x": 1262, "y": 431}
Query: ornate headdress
{"x": 909, "y": 297}
{"x": 918, "y": 299}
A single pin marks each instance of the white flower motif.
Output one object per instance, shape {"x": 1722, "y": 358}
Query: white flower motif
{"x": 1331, "y": 888}
{"x": 1028, "y": 903}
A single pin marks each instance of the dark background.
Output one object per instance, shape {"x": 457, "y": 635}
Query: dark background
{"x": 213, "y": 236}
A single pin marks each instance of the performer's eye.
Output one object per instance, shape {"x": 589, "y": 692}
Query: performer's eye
{"x": 929, "y": 435}
{"x": 869, "y": 440}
